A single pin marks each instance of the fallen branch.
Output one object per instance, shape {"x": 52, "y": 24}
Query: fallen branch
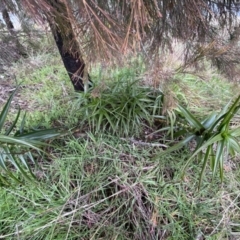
{"x": 144, "y": 143}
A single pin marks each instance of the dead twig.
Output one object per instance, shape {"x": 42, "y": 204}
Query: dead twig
{"x": 137, "y": 142}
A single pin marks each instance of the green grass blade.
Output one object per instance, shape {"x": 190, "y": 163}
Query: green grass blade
{"x": 21, "y": 129}
{"x": 5, "y": 110}
{"x": 180, "y": 133}
{"x": 227, "y": 118}
{"x": 200, "y": 140}
{"x": 9, "y": 130}
{"x": 221, "y": 165}
{"x": 190, "y": 118}
{"x": 177, "y": 146}
{"x": 3, "y": 159}
{"x": 219, "y": 157}
{"x": 14, "y": 160}
{"x": 211, "y": 141}
{"x": 39, "y": 135}
{"x": 99, "y": 121}
{"x": 110, "y": 121}
{"x": 212, "y": 157}
{"x": 15, "y": 141}
{"x": 24, "y": 161}
{"x": 4, "y": 156}
{"x": 209, "y": 121}
{"x": 232, "y": 143}
{"x": 3, "y": 181}
{"x": 7, "y": 154}
{"x": 235, "y": 132}
{"x": 8, "y": 171}
{"x": 172, "y": 117}
{"x": 220, "y": 117}
{"x": 204, "y": 165}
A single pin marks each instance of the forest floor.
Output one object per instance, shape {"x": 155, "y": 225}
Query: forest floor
{"x": 99, "y": 185}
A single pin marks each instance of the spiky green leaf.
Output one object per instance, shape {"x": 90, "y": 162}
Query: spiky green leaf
{"x": 5, "y": 110}
{"x": 211, "y": 141}
{"x": 206, "y": 156}
{"x": 190, "y": 118}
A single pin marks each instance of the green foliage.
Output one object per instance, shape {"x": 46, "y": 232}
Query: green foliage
{"x": 16, "y": 147}
{"x": 200, "y": 94}
{"x": 121, "y": 108}
{"x": 215, "y": 139}
{"x": 98, "y": 186}
{"x": 102, "y": 187}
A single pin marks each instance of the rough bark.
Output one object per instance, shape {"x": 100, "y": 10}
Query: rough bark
{"x": 68, "y": 45}
{"x": 5, "y": 15}
{"x": 7, "y": 19}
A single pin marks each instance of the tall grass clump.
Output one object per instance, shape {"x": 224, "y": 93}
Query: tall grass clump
{"x": 121, "y": 107}
{"x": 17, "y": 146}
{"x": 100, "y": 187}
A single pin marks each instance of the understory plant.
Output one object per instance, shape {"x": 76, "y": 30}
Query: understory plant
{"x": 215, "y": 138}
{"x": 19, "y": 147}
{"x": 121, "y": 108}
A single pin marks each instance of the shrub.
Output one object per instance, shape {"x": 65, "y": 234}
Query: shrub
{"x": 121, "y": 108}
{"x": 16, "y": 146}
{"x": 214, "y": 136}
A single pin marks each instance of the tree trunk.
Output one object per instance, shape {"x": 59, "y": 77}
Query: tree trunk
{"x": 68, "y": 45}
{"x": 7, "y": 20}
{"x": 10, "y": 27}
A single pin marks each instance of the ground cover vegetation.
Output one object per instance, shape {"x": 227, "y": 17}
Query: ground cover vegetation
{"x": 100, "y": 183}
{"x": 146, "y": 149}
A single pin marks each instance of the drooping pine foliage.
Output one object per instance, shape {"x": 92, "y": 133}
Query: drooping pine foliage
{"x": 115, "y": 25}
{"x": 107, "y": 29}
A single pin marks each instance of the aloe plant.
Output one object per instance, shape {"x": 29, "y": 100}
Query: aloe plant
{"x": 16, "y": 146}
{"x": 214, "y": 137}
